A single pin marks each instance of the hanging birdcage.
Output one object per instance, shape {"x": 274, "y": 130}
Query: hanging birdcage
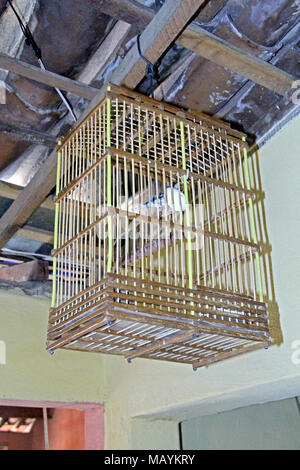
{"x": 155, "y": 245}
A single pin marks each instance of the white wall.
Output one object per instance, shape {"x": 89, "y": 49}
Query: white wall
{"x": 30, "y": 373}
{"x": 158, "y": 434}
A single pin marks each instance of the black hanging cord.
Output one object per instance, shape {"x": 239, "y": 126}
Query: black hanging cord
{"x": 150, "y": 70}
{"x": 29, "y": 40}
{"x": 158, "y": 3}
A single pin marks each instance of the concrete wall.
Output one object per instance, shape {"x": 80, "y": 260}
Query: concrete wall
{"x": 157, "y": 434}
{"x": 271, "y": 426}
{"x": 30, "y": 373}
{"x": 173, "y": 392}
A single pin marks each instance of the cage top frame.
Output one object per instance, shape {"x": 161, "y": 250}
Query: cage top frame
{"x": 189, "y": 116}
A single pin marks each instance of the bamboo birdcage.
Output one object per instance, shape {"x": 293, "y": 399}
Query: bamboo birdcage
{"x": 155, "y": 252}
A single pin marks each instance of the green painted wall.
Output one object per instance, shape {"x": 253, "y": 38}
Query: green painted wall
{"x": 271, "y": 426}
{"x": 155, "y": 434}
{"x": 30, "y": 373}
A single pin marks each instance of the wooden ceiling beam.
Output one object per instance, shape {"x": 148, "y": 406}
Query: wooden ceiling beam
{"x": 161, "y": 32}
{"x": 157, "y": 37}
{"x": 27, "y": 135}
{"x": 130, "y": 11}
{"x": 36, "y": 270}
{"x": 11, "y": 191}
{"x": 206, "y": 45}
{"x": 47, "y": 78}
{"x": 222, "y": 53}
{"x": 28, "y": 200}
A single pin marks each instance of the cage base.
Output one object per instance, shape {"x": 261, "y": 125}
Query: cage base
{"x": 137, "y": 318}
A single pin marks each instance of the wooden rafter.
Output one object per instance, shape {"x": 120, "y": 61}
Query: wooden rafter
{"x": 193, "y": 38}
{"x": 207, "y": 45}
{"x": 156, "y": 38}
{"x": 220, "y": 52}
{"x": 47, "y": 78}
{"x": 160, "y": 33}
{"x": 27, "y": 135}
{"x": 36, "y": 270}
{"x": 104, "y": 53}
{"x": 12, "y": 192}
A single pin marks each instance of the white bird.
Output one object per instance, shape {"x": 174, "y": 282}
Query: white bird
{"x": 174, "y": 200}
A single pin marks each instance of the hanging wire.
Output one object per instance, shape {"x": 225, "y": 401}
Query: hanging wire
{"x": 30, "y": 41}
{"x": 150, "y": 70}
{"x": 64, "y": 99}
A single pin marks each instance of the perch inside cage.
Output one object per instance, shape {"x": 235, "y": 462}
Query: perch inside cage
{"x": 155, "y": 252}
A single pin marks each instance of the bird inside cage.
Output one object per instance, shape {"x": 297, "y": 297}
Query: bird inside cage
{"x": 173, "y": 200}
{"x": 167, "y": 202}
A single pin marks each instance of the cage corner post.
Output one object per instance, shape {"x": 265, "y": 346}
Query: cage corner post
{"x": 252, "y": 225}
{"x": 54, "y": 273}
{"x": 109, "y": 184}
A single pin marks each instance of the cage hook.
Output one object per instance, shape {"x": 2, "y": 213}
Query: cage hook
{"x": 150, "y": 70}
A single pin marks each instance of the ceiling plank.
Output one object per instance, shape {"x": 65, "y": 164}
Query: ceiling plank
{"x": 26, "y": 134}
{"x": 104, "y": 53}
{"x": 207, "y": 45}
{"x": 39, "y": 235}
{"x": 130, "y": 11}
{"x": 220, "y": 52}
{"x": 47, "y": 78}
{"x": 162, "y": 90}
{"x": 156, "y": 38}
